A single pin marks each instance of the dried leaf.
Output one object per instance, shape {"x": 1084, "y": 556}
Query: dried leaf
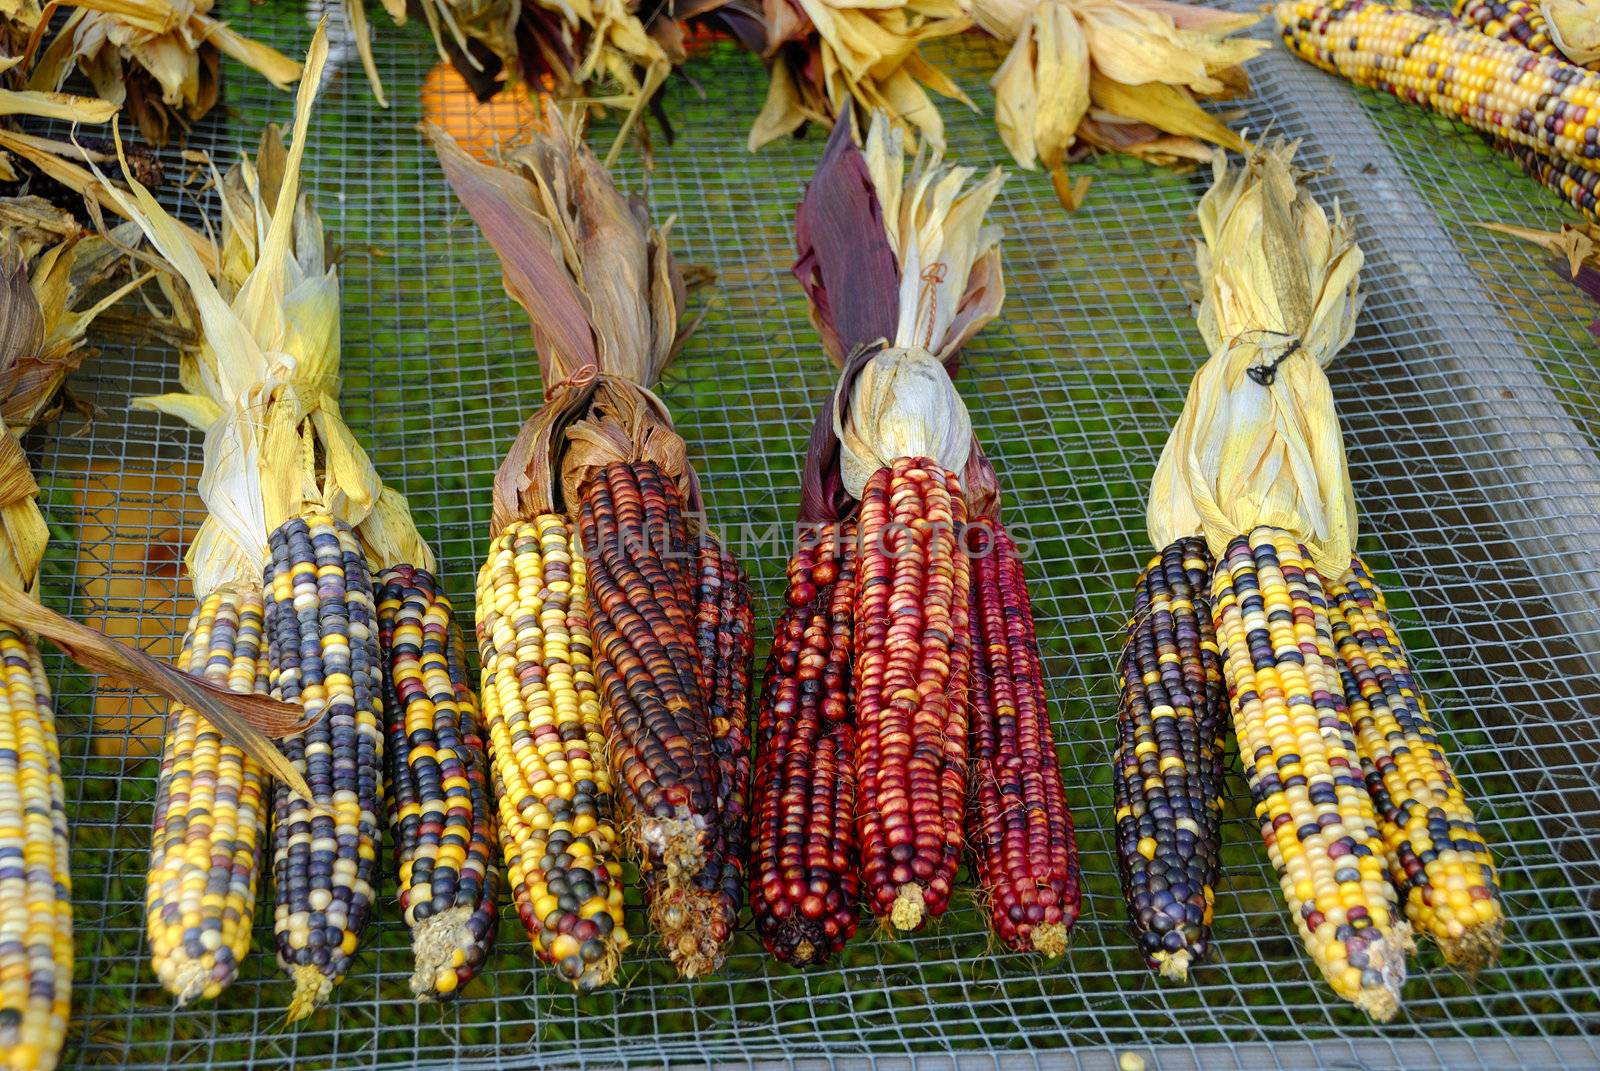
{"x": 248, "y": 721}
{"x": 63, "y": 106}
{"x": 1164, "y": 107}
{"x": 1572, "y": 244}
{"x": 845, "y": 261}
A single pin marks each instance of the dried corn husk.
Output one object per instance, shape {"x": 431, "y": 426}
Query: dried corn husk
{"x": 1258, "y": 442}
{"x": 901, "y": 269}
{"x": 1577, "y": 251}
{"x": 263, "y": 379}
{"x": 56, "y": 280}
{"x": 1118, "y": 75}
{"x": 1574, "y": 27}
{"x": 160, "y": 58}
{"x": 606, "y": 299}
{"x": 824, "y": 56}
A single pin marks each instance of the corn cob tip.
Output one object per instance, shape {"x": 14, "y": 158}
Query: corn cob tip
{"x": 1173, "y": 966}
{"x": 909, "y": 907}
{"x": 686, "y": 918}
{"x": 1476, "y": 948}
{"x": 434, "y": 942}
{"x": 677, "y": 842}
{"x": 1050, "y": 939}
{"x": 311, "y": 989}
{"x": 1387, "y": 956}
{"x": 188, "y": 983}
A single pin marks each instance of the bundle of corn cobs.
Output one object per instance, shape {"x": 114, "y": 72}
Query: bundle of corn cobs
{"x": 615, "y": 633}
{"x": 1256, "y": 584}
{"x": 904, "y": 671}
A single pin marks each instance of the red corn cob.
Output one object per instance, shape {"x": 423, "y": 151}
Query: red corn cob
{"x": 1027, "y": 855}
{"x": 804, "y": 892}
{"x": 912, "y": 670}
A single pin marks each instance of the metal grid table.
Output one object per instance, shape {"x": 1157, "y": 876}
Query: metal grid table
{"x": 1478, "y": 493}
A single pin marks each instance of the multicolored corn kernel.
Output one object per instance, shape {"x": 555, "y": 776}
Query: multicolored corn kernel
{"x": 1516, "y": 22}
{"x": 35, "y": 883}
{"x": 547, "y": 751}
{"x": 912, "y": 671}
{"x": 698, "y": 923}
{"x": 1022, "y": 828}
{"x": 1436, "y": 853}
{"x": 322, "y": 634}
{"x": 436, "y": 787}
{"x": 1576, "y": 185}
{"x": 1535, "y": 101}
{"x": 652, "y": 697}
{"x": 1298, "y": 748}
{"x": 1168, "y": 767}
{"x": 805, "y": 880}
{"x": 210, "y": 817}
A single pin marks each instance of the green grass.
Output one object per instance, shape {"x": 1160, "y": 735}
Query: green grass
{"x": 1073, "y": 390}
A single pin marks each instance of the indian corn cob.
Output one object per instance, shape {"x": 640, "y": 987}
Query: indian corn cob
{"x": 1574, "y": 183}
{"x": 323, "y": 654}
{"x": 804, "y": 873}
{"x": 200, "y": 892}
{"x": 1021, "y": 827}
{"x": 292, "y": 493}
{"x": 1435, "y": 852}
{"x": 1538, "y": 102}
{"x": 437, "y": 784}
{"x": 552, "y": 780}
{"x": 1168, "y": 768}
{"x": 35, "y": 883}
{"x": 602, "y": 452}
{"x": 1298, "y": 748}
{"x": 725, "y": 640}
{"x": 913, "y": 660}
{"x": 1256, "y": 466}
{"x": 892, "y": 446}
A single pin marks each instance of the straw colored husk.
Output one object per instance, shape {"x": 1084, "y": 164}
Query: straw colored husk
{"x": 606, "y": 299}
{"x": 263, "y": 380}
{"x": 1118, "y": 75}
{"x": 826, "y": 57}
{"x": 902, "y": 402}
{"x": 1278, "y": 290}
{"x": 55, "y": 281}
{"x": 1574, "y": 27}
{"x": 159, "y": 57}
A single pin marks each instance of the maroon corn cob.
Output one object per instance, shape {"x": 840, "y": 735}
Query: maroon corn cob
{"x": 912, "y": 670}
{"x": 804, "y": 892}
{"x": 674, "y": 697}
{"x": 1027, "y": 854}
{"x": 725, "y": 639}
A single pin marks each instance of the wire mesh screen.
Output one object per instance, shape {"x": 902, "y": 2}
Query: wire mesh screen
{"x": 1073, "y": 391}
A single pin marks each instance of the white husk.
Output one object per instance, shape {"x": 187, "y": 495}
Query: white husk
{"x": 1274, "y": 272}
{"x": 903, "y": 403}
{"x": 1574, "y": 28}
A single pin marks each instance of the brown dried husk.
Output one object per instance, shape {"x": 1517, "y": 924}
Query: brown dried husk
{"x": 1279, "y": 288}
{"x": 159, "y": 57}
{"x": 606, "y": 300}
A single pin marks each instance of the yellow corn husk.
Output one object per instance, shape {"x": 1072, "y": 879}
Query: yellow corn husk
{"x": 160, "y": 57}
{"x": 1113, "y": 74}
{"x": 866, "y": 56}
{"x": 1279, "y": 300}
{"x": 1574, "y": 28}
